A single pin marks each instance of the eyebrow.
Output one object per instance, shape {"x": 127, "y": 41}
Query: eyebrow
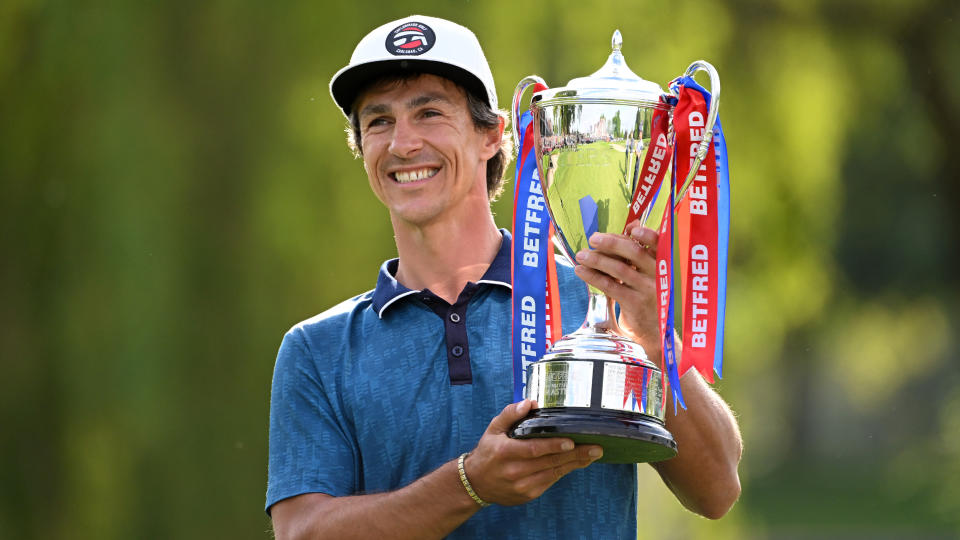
{"x": 419, "y": 101}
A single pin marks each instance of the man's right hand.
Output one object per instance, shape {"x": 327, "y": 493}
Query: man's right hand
{"x": 509, "y": 471}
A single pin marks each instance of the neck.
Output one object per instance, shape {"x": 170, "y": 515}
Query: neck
{"x": 445, "y": 255}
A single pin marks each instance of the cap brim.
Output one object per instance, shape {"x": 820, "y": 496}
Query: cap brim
{"x": 349, "y": 82}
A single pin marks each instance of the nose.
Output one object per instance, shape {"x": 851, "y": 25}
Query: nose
{"x": 406, "y": 141}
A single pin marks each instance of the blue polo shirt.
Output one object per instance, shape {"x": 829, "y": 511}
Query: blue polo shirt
{"x": 389, "y": 385}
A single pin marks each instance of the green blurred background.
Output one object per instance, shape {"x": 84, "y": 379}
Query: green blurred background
{"x": 176, "y": 193}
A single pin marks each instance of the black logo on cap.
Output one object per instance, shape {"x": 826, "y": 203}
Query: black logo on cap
{"x": 410, "y": 39}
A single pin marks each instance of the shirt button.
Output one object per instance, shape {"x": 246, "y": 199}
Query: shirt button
{"x": 457, "y": 351}
{"x": 454, "y": 317}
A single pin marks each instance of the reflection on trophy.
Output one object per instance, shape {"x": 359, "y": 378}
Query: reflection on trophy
{"x": 595, "y": 386}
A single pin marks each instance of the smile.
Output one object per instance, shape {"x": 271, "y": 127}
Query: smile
{"x": 404, "y": 177}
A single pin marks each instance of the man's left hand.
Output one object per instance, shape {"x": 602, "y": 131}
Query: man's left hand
{"x": 624, "y": 267}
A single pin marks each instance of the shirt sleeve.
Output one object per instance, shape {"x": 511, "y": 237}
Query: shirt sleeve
{"x": 310, "y": 449}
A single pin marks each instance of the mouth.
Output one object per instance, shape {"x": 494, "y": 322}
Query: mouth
{"x": 413, "y": 175}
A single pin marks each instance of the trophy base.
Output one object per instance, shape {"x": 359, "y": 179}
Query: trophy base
{"x": 625, "y": 437}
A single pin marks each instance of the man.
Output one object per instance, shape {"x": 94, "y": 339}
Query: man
{"x": 374, "y": 400}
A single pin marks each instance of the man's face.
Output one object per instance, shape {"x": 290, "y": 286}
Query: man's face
{"x": 424, "y": 158}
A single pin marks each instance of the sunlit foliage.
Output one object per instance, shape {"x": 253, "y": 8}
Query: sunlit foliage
{"x": 175, "y": 192}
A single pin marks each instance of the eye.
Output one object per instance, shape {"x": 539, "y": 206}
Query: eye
{"x": 376, "y": 122}
{"x": 430, "y": 113}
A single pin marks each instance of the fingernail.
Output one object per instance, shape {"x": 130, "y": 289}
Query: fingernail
{"x": 566, "y": 446}
{"x": 581, "y": 256}
{"x": 596, "y": 452}
{"x": 596, "y": 239}
{"x": 520, "y": 406}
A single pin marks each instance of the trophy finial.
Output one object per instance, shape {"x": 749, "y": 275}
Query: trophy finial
{"x": 616, "y": 75}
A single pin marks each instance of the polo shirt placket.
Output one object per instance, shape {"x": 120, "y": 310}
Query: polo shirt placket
{"x": 454, "y": 316}
{"x": 454, "y": 319}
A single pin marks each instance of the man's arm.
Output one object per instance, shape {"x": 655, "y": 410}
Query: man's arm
{"x": 704, "y": 475}
{"x": 501, "y": 470}
{"x": 433, "y": 505}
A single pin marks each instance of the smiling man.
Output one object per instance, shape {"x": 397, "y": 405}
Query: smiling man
{"x": 389, "y": 412}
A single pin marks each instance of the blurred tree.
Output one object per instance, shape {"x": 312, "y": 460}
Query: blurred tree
{"x": 175, "y": 192}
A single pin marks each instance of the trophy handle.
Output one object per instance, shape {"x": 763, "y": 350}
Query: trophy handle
{"x": 522, "y": 86}
{"x": 702, "y": 65}
{"x": 515, "y": 109}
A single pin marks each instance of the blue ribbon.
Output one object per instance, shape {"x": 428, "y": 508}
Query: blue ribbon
{"x": 531, "y": 247}
{"x": 723, "y": 246}
{"x": 669, "y": 352}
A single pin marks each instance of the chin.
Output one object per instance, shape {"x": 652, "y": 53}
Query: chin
{"x": 416, "y": 217}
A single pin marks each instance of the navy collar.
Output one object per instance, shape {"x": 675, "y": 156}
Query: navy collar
{"x": 389, "y": 290}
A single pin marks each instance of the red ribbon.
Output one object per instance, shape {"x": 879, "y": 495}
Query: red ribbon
{"x": 655, "y": 166}
{"x": 554, "y": 328}
{"x": 698, "y": 236}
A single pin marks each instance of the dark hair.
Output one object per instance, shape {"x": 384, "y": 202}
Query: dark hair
{"x": 484, "y": 117}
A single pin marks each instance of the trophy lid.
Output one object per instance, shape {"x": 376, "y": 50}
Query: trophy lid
{"x": 612, "y": 81}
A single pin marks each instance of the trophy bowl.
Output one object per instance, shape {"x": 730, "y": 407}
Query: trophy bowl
{"x": 596, "y": 386}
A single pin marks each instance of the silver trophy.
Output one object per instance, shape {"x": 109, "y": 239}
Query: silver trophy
{"x": 595, "y": 386}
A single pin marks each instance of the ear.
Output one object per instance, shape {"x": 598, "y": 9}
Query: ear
{"x": 492, "y": 140}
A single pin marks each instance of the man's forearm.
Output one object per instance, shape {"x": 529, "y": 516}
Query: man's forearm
{"x": 501, "y": 470}
{"x": 431, "y": 507}
{"x": 704, "y": 475}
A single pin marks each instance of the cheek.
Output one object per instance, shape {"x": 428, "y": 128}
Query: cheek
{"x": 369, "y": 157}
{"x": 370, "y": 167}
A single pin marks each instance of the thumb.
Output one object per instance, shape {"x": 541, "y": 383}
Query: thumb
{"x": 510, "y": 415}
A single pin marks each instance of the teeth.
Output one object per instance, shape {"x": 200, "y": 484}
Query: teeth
{"x": 412, "y": 176}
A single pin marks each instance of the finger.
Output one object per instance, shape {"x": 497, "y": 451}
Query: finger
{"x": 637, "y": 275}
{"x": 510, "y": 415}
{"x": 625, "y": 249}
{"x": 646, "y": 238}
{"x": 644, "y": 235}
{"x": 581, "y": 456}
{"x": 537, "y": 483}
{"x": 517, "y": 469}
{"x": 624, "y": 294}
{"x": 530, "y": 449}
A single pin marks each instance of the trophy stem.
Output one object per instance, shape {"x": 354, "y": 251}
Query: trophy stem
{"x": 601, "y": 315}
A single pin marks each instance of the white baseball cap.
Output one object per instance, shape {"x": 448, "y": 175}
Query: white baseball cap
{"x": 417, "y": 44}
